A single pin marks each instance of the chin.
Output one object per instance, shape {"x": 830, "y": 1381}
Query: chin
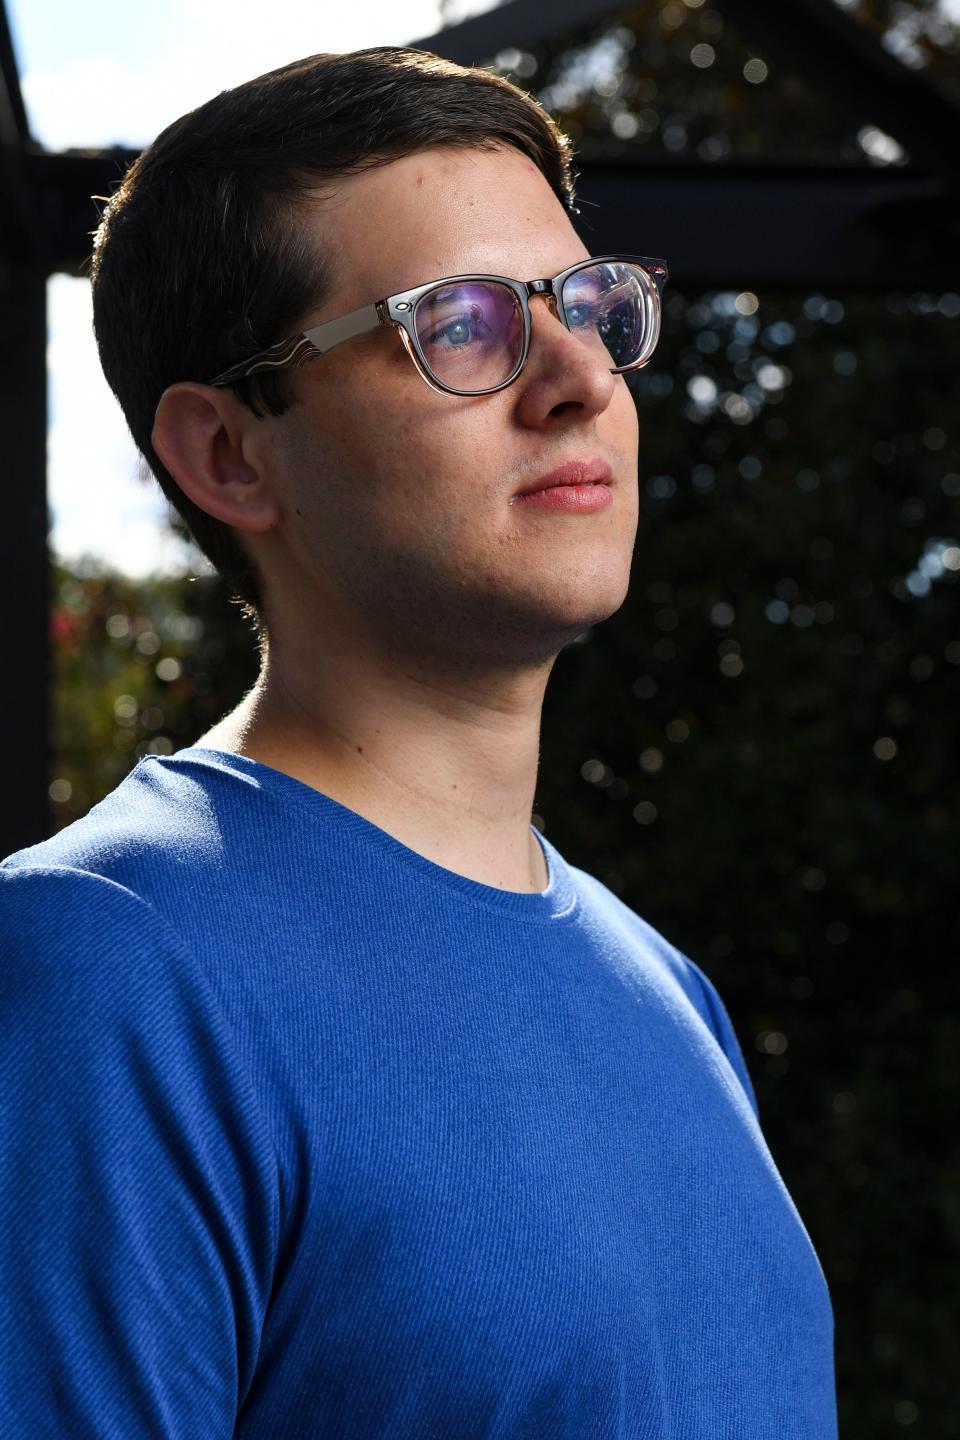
{"x": 577, "y": 610}
{"x": 597, "y": 596}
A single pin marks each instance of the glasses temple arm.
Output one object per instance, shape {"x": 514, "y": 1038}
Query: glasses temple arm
{"x": 305, "y": 347}
{"x": 334, "y": 332}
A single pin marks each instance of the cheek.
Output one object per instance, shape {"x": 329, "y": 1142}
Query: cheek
{"x": 623, "y": 420}
{"x": 419, "y": 448}
{"x": 380, "y": 472}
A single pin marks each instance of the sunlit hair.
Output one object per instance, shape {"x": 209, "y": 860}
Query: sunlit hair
{"x": 202, "y": 256}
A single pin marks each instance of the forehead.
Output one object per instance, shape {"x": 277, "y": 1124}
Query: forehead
{"x": 441, "y": 211}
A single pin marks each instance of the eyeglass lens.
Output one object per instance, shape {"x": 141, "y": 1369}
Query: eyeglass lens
{"x": 471, "y": 333}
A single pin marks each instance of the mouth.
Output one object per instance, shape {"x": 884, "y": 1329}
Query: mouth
{"x": 580, "y": 476}
{"x": 574, "y": 472}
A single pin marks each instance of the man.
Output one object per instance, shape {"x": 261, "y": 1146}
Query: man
{"x": 336, "y": 1102}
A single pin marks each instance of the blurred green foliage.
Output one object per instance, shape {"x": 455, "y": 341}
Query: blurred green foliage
{"x": 677, "y": 77}
{"x": 759, "y": 753}
{"x": 140, "y": 667}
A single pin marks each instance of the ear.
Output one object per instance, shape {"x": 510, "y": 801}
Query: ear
{"x": 204, "y": 436}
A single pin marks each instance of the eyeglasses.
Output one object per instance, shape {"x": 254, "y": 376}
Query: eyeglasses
{"x": 470, "y": 334}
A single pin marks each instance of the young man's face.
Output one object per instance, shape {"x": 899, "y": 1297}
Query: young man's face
{"x": 396, "y": 522}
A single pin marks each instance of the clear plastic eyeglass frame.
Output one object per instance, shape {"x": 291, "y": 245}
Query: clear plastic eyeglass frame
{"x": 399, "y": 310}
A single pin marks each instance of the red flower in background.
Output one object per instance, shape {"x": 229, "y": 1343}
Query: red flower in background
{"x": 63, "y": 627}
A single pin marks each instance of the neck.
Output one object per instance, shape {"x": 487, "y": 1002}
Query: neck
{"x": 446, "y": 763}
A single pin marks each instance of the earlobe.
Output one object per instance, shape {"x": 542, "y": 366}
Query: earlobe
{"x": 198, "y": 434}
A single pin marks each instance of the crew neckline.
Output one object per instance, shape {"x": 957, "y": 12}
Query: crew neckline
{"x": 557, "y": 902}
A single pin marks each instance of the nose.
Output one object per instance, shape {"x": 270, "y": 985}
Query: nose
{"x": 564, "y": 378}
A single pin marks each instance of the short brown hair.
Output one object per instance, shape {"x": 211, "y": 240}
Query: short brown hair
{"x": 196, "y": 263}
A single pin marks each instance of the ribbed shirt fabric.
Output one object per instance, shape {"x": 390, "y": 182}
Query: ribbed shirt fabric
{"x": 306, "y": 1136}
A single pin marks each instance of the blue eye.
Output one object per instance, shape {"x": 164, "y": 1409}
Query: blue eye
{"x": 580, "y": 315}
{"x": 456, "y": 332}
{"x": 460, "y": 330}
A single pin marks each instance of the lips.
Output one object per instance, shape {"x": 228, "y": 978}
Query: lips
{"x": 573, "y": 472}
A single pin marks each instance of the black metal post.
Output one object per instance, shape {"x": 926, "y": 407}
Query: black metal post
{"x": 24, "y": 567}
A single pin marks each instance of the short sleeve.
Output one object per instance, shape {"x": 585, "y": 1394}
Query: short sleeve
{"x": 138, "y": 1185}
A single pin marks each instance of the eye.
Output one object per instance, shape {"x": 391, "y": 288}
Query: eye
{"x": 580, "y": 314}
{"x": 456, "y": 332}
{"x": 460, "y": 329}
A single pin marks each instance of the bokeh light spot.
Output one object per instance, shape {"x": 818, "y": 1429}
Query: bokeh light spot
{"x": 118, "y": 626}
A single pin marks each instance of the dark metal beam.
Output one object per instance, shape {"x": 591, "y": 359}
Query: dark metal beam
{"x": 725, "y": 224}
{"x": 776, "y": 227}
{"x": 24, "y": 566}
{"x": 18, "y": 220}
{"x": 14, "y": 129}
{"x": 63, "y": 186}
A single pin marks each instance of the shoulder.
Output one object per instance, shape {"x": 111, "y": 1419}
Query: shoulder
{"x": 92, "y": 919}
{"x": 156, "y": 813}
{"x": 659, "y": 951}
{"x": 45, "y": 906}
{"x": 101, "y": 997}
{"x": 77, "y": 945}
{"x": 673, "y": 966}
{"x": 143, "y": 860}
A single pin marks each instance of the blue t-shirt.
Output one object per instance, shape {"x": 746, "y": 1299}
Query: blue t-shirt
{"x": 304, "y": 1135}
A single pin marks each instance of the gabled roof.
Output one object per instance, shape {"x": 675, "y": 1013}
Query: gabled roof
{"x": 836, "y": 54}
